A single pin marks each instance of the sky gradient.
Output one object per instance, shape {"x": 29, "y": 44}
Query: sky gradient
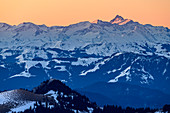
{"x": 65, "y": 12}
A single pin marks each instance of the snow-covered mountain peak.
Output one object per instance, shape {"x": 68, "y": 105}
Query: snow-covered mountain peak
{"x": 125, "y": 21}
{"x": 95, "y": 21}
{"x": 4, "y": 26}
{"x": 120, "y": 20}
{"x": 117, "y": 19}
{"x": 101, "y": 22}
{"x": 43, "y": 26}
{"x": 27, "y": 25}
{"x": 100, "y": 35}
{"x": 82, "y": 54}
{"x": 98, "y": 21}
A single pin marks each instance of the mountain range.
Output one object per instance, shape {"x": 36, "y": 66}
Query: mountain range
{"x": 53, "y": 96}
{"x": 117, "y": 60}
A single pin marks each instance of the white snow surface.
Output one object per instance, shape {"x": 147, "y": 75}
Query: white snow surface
{"x": 8, "y": 96}
{"x": 53, "y": 94}
{"x": 98, "y": 64}
{"x": 102, "y": 38}
{"x": 123, "y": 73}
{"x": 23, "y": 74}
{"x": 85, "y": 61}
{"x": 12, "y": 97}
{"x": 90, "y": 110}
{"x": 23, "y": 107}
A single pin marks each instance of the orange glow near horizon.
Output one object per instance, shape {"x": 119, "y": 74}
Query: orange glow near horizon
{"x": 65, "y": 12}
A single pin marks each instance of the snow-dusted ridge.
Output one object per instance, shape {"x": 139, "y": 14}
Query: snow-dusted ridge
{"x": 56, "y": 95}
{"x": 85, "y": 51}
{"x": 120, "y": 20}
{"x": 18, "y": 100}
{"x": 103, "y": 38}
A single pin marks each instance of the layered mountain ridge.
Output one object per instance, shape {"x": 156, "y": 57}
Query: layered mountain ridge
{"x": 54, "y": 96}
{"x": 51, "y": 94}
{"x": 104, "y": 35}
{"x": 86, "y": 53}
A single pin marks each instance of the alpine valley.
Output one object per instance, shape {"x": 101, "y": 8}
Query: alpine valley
{"x": 120, "y": 62}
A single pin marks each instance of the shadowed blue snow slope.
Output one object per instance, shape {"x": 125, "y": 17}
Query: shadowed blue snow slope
{"x": 85, "y": 53}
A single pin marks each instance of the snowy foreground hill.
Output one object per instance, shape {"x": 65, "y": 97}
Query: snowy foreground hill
{"x": 53, "y": 96}
{"x": 121, "y": 56}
